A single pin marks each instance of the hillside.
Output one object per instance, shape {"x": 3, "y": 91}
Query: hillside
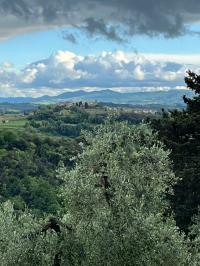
{"x": 33, "y": 145}
{"x": 170, "y": 98}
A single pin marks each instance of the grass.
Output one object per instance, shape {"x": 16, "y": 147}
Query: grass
{"x": 12, "y": 122}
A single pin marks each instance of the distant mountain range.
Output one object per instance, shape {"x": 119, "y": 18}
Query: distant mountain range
{"x": 170, "y": 98}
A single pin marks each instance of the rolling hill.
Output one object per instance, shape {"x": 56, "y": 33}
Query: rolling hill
{"x": 170, "y": 98}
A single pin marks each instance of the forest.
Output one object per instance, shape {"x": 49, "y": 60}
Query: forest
{"x": 85, "y": 184}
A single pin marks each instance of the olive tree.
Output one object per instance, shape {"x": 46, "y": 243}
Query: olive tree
{"x": 115, "y": 199}
{"x": 21, "y": 241}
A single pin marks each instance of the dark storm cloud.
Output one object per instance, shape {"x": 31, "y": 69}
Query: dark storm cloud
{"x": 96, "y": 27}
{"x": 151, "y": 17}
{"x": 69, "y": 37}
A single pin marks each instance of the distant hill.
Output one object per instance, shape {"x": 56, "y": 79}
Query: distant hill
{"x": 170, "y": 98}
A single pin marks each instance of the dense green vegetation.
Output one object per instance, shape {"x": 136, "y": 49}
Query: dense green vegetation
{"x": 28, "y": 163}
{"x": 32, "y": 147}
{"x": 180, "y": 131}
{"x": 64, "y": 120}
{"x": 121, "y": 192}
{"x": 111, "y": 214}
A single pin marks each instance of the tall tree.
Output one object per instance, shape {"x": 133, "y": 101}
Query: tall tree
{"x": 180, "y": 131}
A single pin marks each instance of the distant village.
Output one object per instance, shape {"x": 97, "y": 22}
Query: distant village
{"x": 7, "y": 114}
{"x": 95, "y": 104}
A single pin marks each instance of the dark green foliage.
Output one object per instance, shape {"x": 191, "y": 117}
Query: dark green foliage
{"x": 30, "y": 156}
{"x": 180, "y": 131}
{"x": 132, "y": 117}
{"x": 86, "y": 105}
{"x": 59, "y": 120}
{"x": 68, "y": 121}
{"x": 28, "y": 164}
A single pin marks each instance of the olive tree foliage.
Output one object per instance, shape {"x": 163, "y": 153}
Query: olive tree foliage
{"x": 20, "y": 240}
{"x": 24, "y": 241}
{"x": 194, "y": 234}
{"x": 114, "y": 199}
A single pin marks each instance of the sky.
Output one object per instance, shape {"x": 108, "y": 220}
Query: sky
{"x": 70, "y": 45}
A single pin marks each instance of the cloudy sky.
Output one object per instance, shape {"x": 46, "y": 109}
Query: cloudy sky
{"x": 47, "y": 47}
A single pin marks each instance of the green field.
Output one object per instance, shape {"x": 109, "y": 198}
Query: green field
{"x": 12, "y": 121}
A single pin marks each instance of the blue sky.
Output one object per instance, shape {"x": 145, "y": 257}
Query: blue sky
{"x": 124, "y": 45}
{"x": 27, "y": 48}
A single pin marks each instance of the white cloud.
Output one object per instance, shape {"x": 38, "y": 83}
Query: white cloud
{"x": 65, "y": 70}
{"x": 29, "y": 75}
{"x": 138, "y": 73}
{"x": 187, "y": 59}
{"x": 7, "y": 65}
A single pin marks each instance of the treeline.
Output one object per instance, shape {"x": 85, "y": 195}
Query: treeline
{"x": 71, "y": 120}
{"x": 64, "y": 121}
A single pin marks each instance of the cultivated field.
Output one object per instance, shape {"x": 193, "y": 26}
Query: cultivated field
{"x": 12, "y": 121}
